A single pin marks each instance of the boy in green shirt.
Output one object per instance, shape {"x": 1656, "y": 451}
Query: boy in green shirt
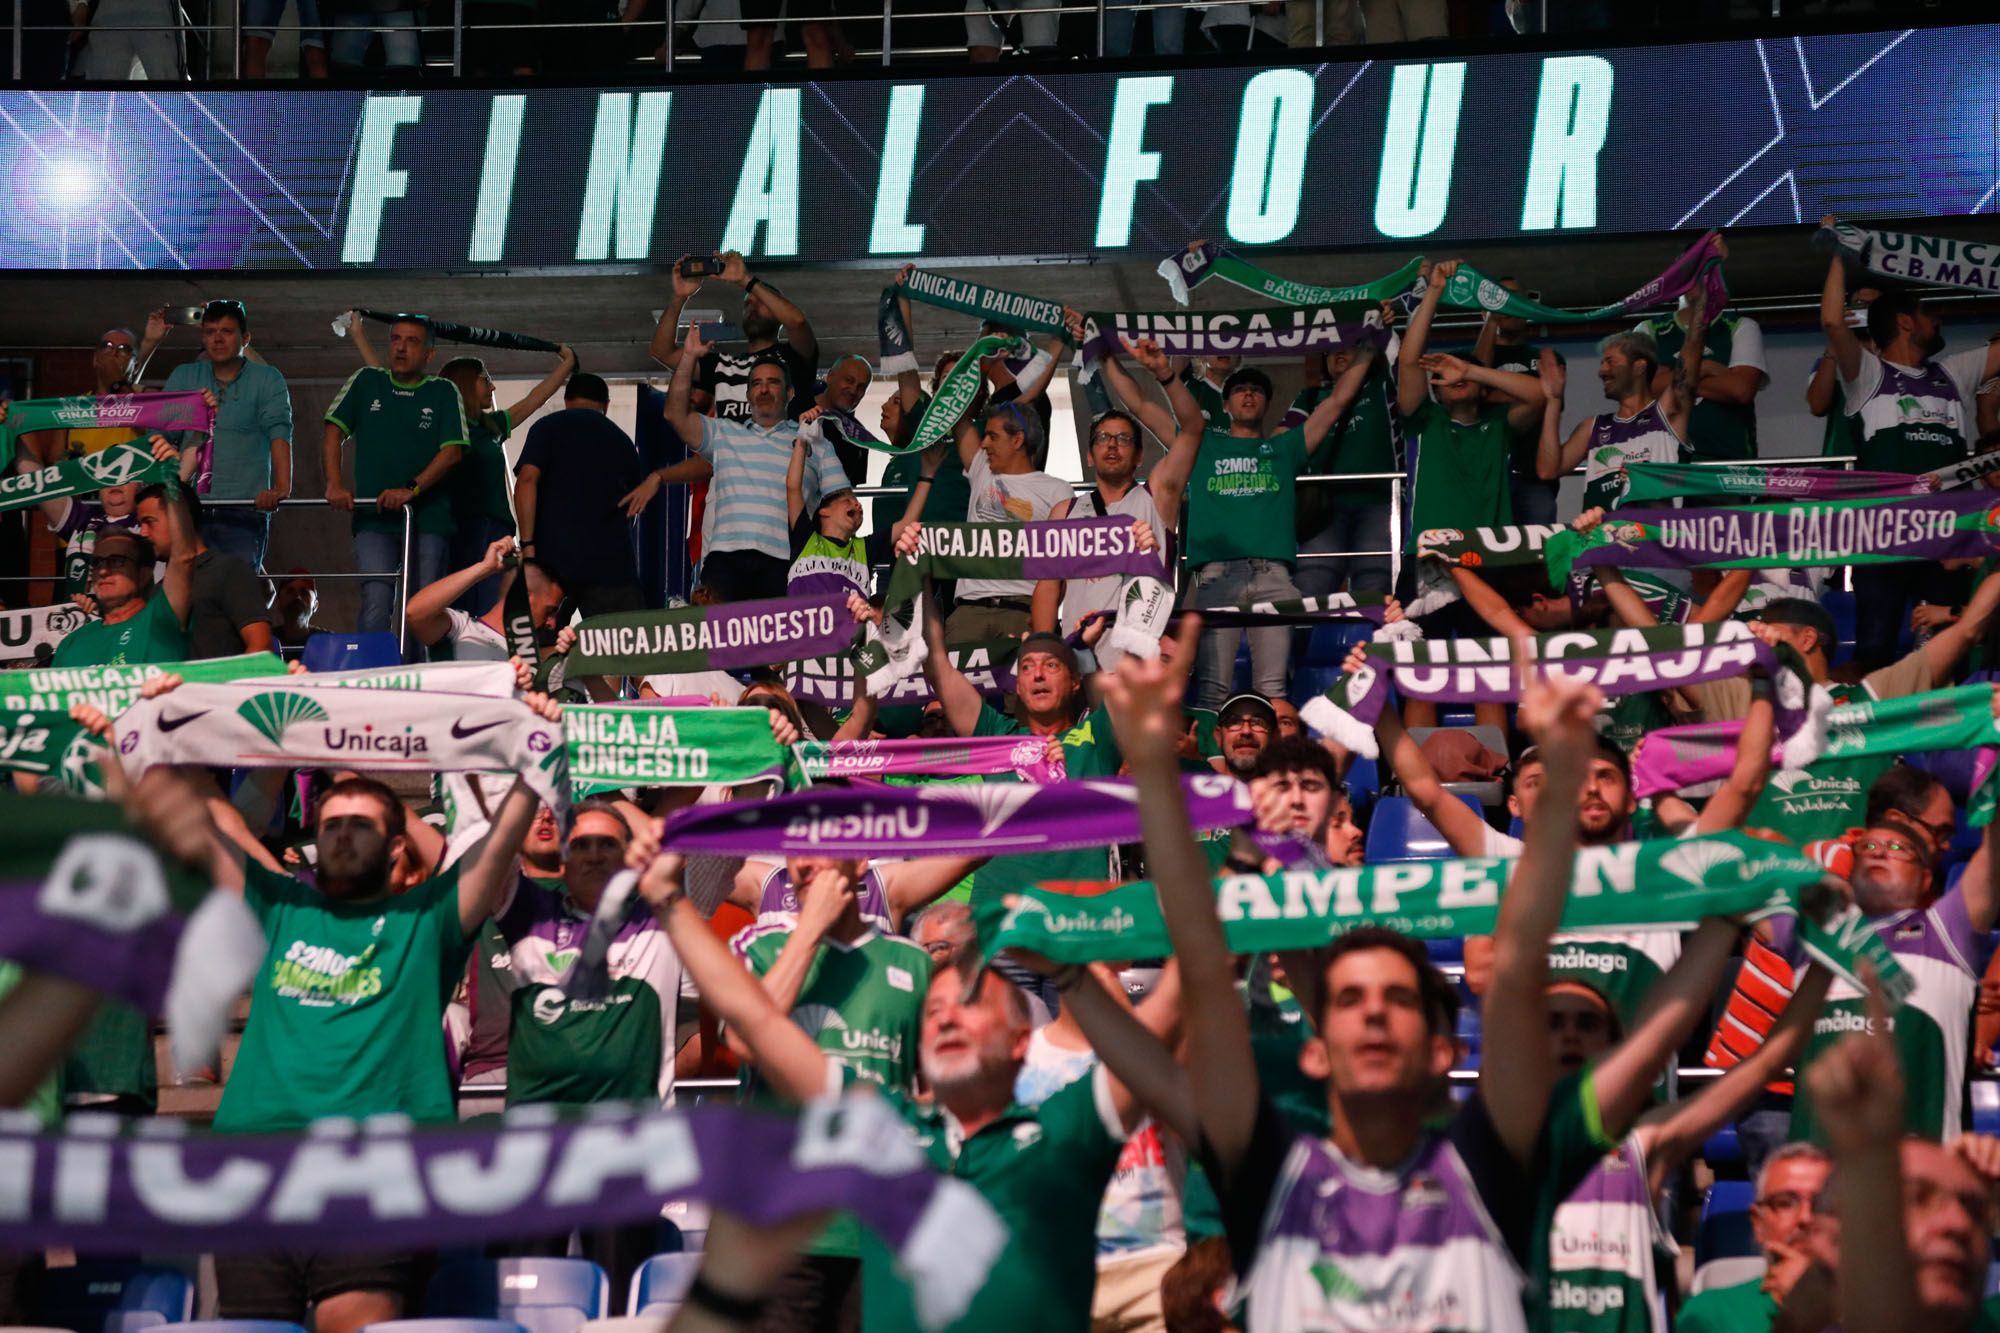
{"x": 409, "y": 430}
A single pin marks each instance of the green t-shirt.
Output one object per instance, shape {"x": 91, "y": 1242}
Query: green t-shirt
{"x": 1573, "y": 1142}
{"x": 478, "y": 485}
{"x": 1208, "y": 398}
{"x": 1089, "y": 751}
{"x": 1841, "y": 440}
{"x": 114, "y": 1056}
{"x": 1363, "y": 440}
{"x": 154, "y": 635}
{"x": 1461, "y": 470}
{"x": 1717, "y": 431}
{"x": 949, "y": 495}
{"x": 1743, "y": 1308}
{"x": 45, "y": 1102}
{"x": 1592, "y": 1265}
{"x": 1044, "y": 1171}
{"x": 347, "y": 1011}
{"x": 1821, "y": 800}
{"x": 397, "y": 430}
{"x": 864, "y": 1004}
{"x": 1240, "y": 498}
{"x": 1525, "y": 359}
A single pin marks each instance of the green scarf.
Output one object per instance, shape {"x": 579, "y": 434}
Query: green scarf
{"x": 116, "y": 466}
{"x": 954, "y": 397}
{"x": 984, "y": 303}
{"x": 45, "y": 743}
{"x": 611, "y": 747}
{"x": 1700, "y": 265}
{"x": 1683, "y": 879}
{"x": 1185, "y": 269}
{"x": 115, "y": 688}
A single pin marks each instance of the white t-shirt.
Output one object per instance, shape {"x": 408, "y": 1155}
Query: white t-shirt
{"x": 1019, "y": 497}
{"x": 1083, "y": 596}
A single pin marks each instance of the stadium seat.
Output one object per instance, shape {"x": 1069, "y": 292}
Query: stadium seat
{"x": 1723, "y": 1149}
{"x": 1985, "y": 1106}
{"x": 1398, "y": 832}
{"x": 688, "y": 1221}
{"x": 1448, "y": 951}
{"x": 351, "y": 652}
{"x": 542, "y": 1295}
{"x": 1455, "y": 715}
{"x": 1364, "y": 781}
{"x": 659, "y": 1284}
{"x": 108, "y": 1297}
{"x": 1328, "y": 644}
{"x": 1840, "y": 604}
{"x": 1725, "y": 1252}
{"x": 1309, "y": 682}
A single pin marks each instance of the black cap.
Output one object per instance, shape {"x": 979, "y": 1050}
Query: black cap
{"x": 1247, "y": 699}
{"x": 1805, "y": 613}
{"x": 1246, "y": 375}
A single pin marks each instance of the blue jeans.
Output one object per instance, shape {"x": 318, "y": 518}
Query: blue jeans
{"x": 1169, "y": 29}
{"x": 1236, "y": 583}
{"x": 380, "y": 552}
{"x": 1351, "y": 528}
{"x": 350, "y": 39}
{"x": 1533, "y": 499}
{"x": 243, "y": 533}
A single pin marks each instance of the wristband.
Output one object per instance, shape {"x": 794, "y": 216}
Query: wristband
{"x": 750, "y": 284}
{"x": 722, "y": 1304}
{"x": 416, "y": 489}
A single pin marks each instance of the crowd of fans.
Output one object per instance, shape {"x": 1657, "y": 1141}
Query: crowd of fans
{"x": 112, "y": 40}
{"x": 1193, "y": 1142}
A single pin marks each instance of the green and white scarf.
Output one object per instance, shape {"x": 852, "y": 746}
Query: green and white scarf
{"x": 116, "y": 466}
{"x": 984, "y": 303}
{"x": 1185, "y": 269}
{"x": 613, "y": 746}
{"x": 1908, "y": 256}
{"x": 961, "y": 385}
{"x": 1440, "y": 550}
{"x": 113, "y": 689}
{"x": 1666, "y": 884}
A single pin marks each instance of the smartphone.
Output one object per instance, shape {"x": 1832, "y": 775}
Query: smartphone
{"x": 698, "y": 266}
{"x": 712, "y": 331}
{"x": 184, "y": 314}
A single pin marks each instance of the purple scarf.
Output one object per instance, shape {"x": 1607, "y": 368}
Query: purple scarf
{"x": 1026, "y": 756}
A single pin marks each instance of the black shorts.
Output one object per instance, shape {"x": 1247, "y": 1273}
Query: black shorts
{"x": 281, "y": 1286}
{"x": 604, "y": 599}
{"x": 818, "y": 1294}
{"x": 744, "y": 576}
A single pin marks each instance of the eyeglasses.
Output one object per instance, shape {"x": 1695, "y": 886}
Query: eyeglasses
{"x": 113, "y": 562}
{"x": 1114, "y": 437}
{"x": 940, "y": 948}
{"x": 109, "y": 346}
{"x": 1251, "y": 720}
{"x": 221, "y": 305}
{"x": 1889, "y": 847}
{"x": 1785, "y": 1201}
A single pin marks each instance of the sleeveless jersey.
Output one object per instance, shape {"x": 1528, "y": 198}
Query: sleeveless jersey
{"x": 824, "y": 565}
{"x": 1914, "y": 420}
{"x": 1602, "y": 1275}
{"x": 778, "y": 902}
{"x": 1933, "y": 1030}
{"x": 1616, "y": 442}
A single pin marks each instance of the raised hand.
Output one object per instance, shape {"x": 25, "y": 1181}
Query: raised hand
{"x": 826, "y": 897}
{"x": 1588, "y": 520}
{"x": 908, "y": 539}
{"x": 863, "y": 613}
{"x": 696, "y": 346}
{"x": 783, "y": 730}
{"x": 496, "y": 555}
{"x": 1442, "y": 272}
{"x": 1553, "y": 374}
{"x": 545, "y": 707}
{"x": 1447, "y": 368}
{"x": 733, "y": 268}
{"x": 1144, "y": 697}
{"x": 684, "y": 287}
{"x": 163, "y": 449}
{"x": 1148, "y": 354}
{"x": 1392, "y": 611}
{"x": 1559, "y": 712}
{"x": 1142, "y": 535}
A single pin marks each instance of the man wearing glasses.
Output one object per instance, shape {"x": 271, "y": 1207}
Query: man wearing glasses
{"x": 142, "y": 620}
{"x": 251, "y": 458}
{"x": 1781, "y": 1218}
{"x": 1114, "y": 452}
{"x": 111, "y": 372}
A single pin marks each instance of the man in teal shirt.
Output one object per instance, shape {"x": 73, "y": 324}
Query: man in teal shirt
{"x": 251, "y": 458}
{"x": 408, "y": 429}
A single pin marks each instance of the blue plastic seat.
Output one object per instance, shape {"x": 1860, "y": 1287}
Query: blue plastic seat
{"x": 1328, "y": 644}
{"x": 1447, "y": 951}
{"x": 1839, "y": 603}
{"x": 542, "y": 1295}
{"x": 1723, "y": 1150}
{"x": 660, "y": 1284}
{"x": 1309, "y": 682}
{"x": 109, "y": 1297}
{"x": 1724, "y": 1232}
{"x": 1397, "y": 831}
{"x": 1985, "y": 1107}
{"x": 351, "y": 652}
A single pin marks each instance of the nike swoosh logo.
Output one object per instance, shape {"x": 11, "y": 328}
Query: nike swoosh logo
{"x": 459, "y": 731}
{"x": 176, "y": 723}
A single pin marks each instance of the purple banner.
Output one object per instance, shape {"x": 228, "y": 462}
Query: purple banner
{"x": 1673, "y": 758}
{"x": 1264, "y": 333}
{"x": 958, "y": 819}
{"x": 380, "y": 1184}
{"x": 1026, "y": 755}
{"x": 709, "y": 638}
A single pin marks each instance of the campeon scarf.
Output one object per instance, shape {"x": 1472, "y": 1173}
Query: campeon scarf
{"x": 275, "y": 724}
{"x": 1907, "y": 256}
{"x": 145, "y": 412}
{"x": 1068, "y": 548}
{"x": 528, "y": 1174}
{"x": 612, "y": 746}
{"x": 1025, "y": 756}
{"x": 1783, "y": 536}
{"x": 113, "y": 689}
{"x": 705, "y": 638}
{"x": 956, "y": 393}
{"x": 1011, "y": 309}
{"x": 119, "y": 465}
{"x": 1700, "y": 265}
{"x": 1673, "y": 758}
{"x": 1666, "y": 884}
{"x": 830, "y": 681}
{"x": 1185, "y": 269}
{"x": 25, "y": 632}
{"x": 1620, "y": 662}
{"x": 1264, "y": 333}
{"x": 1644, "y": 482}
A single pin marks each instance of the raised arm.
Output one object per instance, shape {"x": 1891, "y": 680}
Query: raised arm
{"x": 1840, "y": 339}
{"x": 1033, "y": 381}
{"x": 1677, "y": 400}
{"x": 1555, "y": 455}
{"x": 1945, "y": 649}
{"x": 1144, "y": 700}
{"x": 1125, "y": 390}
{"x": 1623, "y": 1078}
{"x": 1489, "y": 605}
{"x": 428, "y": 604}
{"x": 1413, "y": 387}
{"x": 1526, "y": 391}
{"x": 795, "y": 477}
{"x": 1560, "y": 714}
{"x": 486, "y": 872}
{"x": 820, "y": 906}
{"x": 680, "y": 417}
{"x": 178, "y": 586}
{"x": 661, "y": 348}
{"x": 1136, "y": 1045}
{"x": 1819, "y": 389}
{"x": 1319, "y": 423}
{"x": 357, "y": 332}
{"x": 787, "y": 1059}
{"x": 1465, "y": 831}
{"x": 910, "y": 886}
{"x": 1981, "y": 881}
{"x": 798, "y": 329}
{"x": 1730, "y": 805}
{"x": 960, "y": 698}
{"x": 531, "y": 401}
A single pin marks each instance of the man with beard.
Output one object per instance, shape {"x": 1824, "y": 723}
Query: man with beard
{"x": 1781, "y": 1218}
{"x": 1043, "y": 1169}
{"x": 1296, "y": 787}
{"x": 1914, "y": 412}
{"x": 725, "y": 376}
{"x": 346, "y": 1016}
{"x": 1244, "y": 725}
{"x": 1645, "y": 427}
{"x": 573, "y": 1054}
{"x": 1623, "y": 965}
{"x": 858, "y": 993}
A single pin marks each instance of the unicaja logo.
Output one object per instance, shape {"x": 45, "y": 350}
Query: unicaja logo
{"x": 272, "y": 713}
